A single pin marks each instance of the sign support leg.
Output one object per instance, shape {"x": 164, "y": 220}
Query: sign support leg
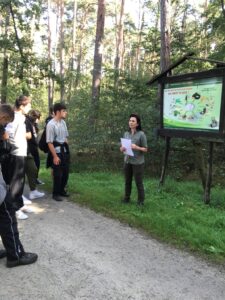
{"x": 165, "y": 161}
{"x": 209, "y": 175}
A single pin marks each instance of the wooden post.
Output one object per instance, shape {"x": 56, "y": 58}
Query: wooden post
{"x": 209, "y": 175}
{"x": 165, "y": 161}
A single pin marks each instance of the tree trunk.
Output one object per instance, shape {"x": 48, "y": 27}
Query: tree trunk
{"x": 23, "y": 60}
{"x": 79, "y": 58}
{"x": 119, "y": 39}
{"x": 81, "y": 40}
{"x": 5, "y": 66}
{"x": 138, "y": 50}
{"x": 61, "y": 52}
{"x": 72, "y": 58}
{"x": 4, "y": 79}
{"x": 183, "y": 23}
{"x": 223, "y": 7}
{"x": 97, "y": 63}
{"x": 165, "y": 34}
{"x": 74, "y": 33}
{"x": 50, "y": 80}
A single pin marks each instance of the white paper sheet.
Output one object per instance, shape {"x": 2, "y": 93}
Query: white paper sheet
{"x": 126, "y": 143}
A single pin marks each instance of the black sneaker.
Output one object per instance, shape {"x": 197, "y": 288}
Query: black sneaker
{"x": 57, "y": 198}
{"x": 125, "y": 201}
{"x": 2, "y": 253}
{"x": 64, "y": 194}
{"x": 26, "y": 259}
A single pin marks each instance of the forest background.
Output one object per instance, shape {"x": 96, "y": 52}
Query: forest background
{"x": 97, "y": 56}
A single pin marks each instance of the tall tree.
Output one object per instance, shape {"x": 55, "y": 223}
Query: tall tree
{"x": 96, "y": 81}
{"x": 73, "y": 51}
{"x": 50, "y": 79}
{"x": 119, "y": 39}
{"x": 5, "y": 64}
{"x": 165, "y": 34}
{"x": 61, "y": 50}
{"x": 139, "y": 37}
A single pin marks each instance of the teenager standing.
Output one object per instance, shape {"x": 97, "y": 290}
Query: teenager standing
{"x": 57, "y": 139}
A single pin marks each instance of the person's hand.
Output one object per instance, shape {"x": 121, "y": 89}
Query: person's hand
{"x": 5, "y": 136}
{"x": 122, "y": 149}
{"x": 28, "y": 135}
{"x": 56, "y": 160}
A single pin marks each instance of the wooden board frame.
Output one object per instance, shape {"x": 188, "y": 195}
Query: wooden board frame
{"x": 189, "y": 132}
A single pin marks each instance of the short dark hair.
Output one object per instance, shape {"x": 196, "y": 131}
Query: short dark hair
{"x": 6, "y": 113}
{"x": 138, "y": 120}
{"x": 20, "y": 101}
{"x": 58, "y": 106}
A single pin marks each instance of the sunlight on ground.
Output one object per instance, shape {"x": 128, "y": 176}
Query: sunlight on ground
{"x": 37, "y": 209}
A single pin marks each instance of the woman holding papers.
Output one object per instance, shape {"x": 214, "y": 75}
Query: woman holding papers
{"x": 134, "y": 145}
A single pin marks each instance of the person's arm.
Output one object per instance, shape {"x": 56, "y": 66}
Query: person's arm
{"x": 50, "y": 139}
{"x": 143, "y": 143}
{"x": 135, "y": 147}
{"x": 28, "y": 129}
{"x": 56, "y": 159}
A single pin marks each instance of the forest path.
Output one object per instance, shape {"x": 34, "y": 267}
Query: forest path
{"x": 84, "y": 255}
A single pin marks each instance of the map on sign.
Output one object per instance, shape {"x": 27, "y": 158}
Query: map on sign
{"x": 194, "y": 104}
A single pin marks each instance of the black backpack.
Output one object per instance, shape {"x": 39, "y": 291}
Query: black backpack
{"x": 43, "y": 146}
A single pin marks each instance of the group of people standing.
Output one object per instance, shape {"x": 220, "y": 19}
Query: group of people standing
{"x": 18, "y": 130}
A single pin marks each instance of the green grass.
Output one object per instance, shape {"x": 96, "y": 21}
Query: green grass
{"x": 176, "y": 214}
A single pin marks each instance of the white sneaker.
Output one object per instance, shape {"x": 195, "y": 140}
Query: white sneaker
{"x": 27, "y": 209}
{"x": 26, "y": 201}
{"x": 20, "y": 215}
{"x": 36, "y": 194}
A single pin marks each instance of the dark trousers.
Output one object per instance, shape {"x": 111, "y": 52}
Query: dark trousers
{"x": 137, "y": 171}
{"x": 31, "y": 171}
{"x": 9, "y": 232}
{"x": 14, "y": 175}
{"x": 60, "y": 174}
{"x": 36, "y": 158}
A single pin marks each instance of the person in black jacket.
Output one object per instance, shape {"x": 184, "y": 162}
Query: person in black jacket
{"x": 32, "y": 161}
{"x": 9, "y": 233}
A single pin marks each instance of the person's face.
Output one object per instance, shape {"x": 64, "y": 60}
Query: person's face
{"x": 26, "y": 107}
{"x": 63, "y": 113}
{"x": 133, "y": 123}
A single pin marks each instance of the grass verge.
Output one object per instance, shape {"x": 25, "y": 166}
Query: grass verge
{"x": 176, "y": 214}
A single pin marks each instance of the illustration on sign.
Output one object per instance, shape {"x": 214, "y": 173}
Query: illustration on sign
{"x": 193, "y": 104}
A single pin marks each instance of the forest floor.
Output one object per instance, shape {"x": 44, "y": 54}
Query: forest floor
{"x": 84, "y": 255}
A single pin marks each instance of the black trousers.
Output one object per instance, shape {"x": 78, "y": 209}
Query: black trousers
{"x": 61, "y": 174}
{"x": 136, "y": 171}
{"x": 9, "y": 232}
{"x": 14, "y": 176}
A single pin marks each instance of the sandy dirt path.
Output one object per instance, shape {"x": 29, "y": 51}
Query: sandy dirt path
{"x": 83, "y": 255}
